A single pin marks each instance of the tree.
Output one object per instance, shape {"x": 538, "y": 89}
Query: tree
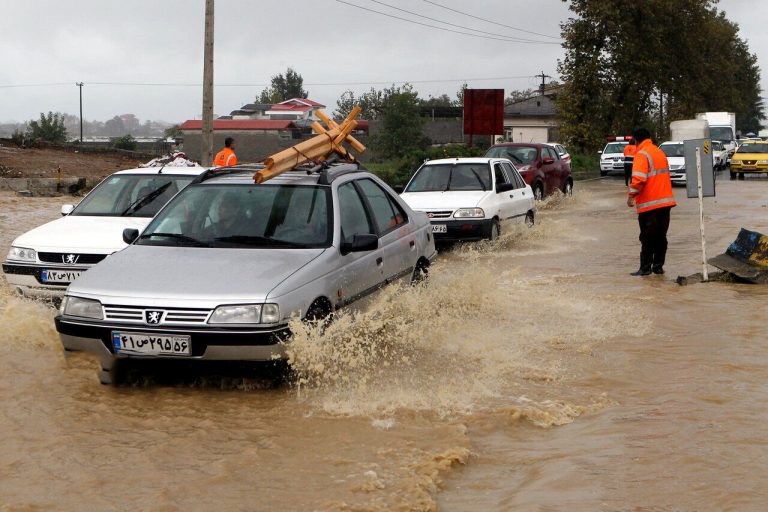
{"x": 519, "y": 95}
{"x": 172, "y": 131}
{"x": 460, "y": 95}
{"x": 401, "y": 127}
{"x": 284, "y": 87}
{"x": 369, "y": 102}
{"x": 115, "y": 127}
{"x": 125, "y": 142}
{"x": 629, "y": 64}
{"x": 49, "y": 128}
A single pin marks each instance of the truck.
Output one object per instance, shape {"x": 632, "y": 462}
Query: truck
{"x": 722, "y": 127}
{"x": 688, "y": 129}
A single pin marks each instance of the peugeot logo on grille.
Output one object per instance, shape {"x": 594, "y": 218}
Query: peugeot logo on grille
{"x": 153, "y": 317}
{"x": 70, "y": 258}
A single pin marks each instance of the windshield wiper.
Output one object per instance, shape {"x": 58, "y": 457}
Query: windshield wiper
{"x": 145, "y": 199}
{"x": 478, "y": 179}
{"x": 177, "y": 236}
{"x": 258, "y": 240}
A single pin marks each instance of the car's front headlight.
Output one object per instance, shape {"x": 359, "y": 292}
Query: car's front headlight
{"x": 469, "y": 213}
{"x": 246, "y": 314}
{"x": 85, "y": 308}
{"x": 22, "y": 254}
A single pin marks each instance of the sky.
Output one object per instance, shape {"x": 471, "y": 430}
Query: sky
{"x": 144, "y": 57}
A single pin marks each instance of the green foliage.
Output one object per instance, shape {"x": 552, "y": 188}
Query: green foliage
{"x": 284, "y": 87}
{"x": 172, "y": 131}
{"x": 401, "y": 127}
{"x": 626, "y": 60}
{"x": 125, "y": 142}
{"x": 399, "y": 170}
{"x": 370, "y": 104}
{"x": 49, "y": 128}
{"x": 585, "y": 166}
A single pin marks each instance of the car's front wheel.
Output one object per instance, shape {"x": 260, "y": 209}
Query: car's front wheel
{"x": 568, "y": 187}
{"x": 538, "y": 192}
{"x": 530, "y": 219}
{"x": 495, "y": 232}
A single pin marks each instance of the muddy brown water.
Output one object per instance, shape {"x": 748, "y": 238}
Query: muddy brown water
{"x": 530, "y": 374}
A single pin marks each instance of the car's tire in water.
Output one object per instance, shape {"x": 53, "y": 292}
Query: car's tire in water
{"x": 420, "y": 272}
{"x": 733, "y": 175}
{"x": 538, "y": 192}
{"x": 530, "y": 219}
{"x": 568, "y": 188}
{"x": 319, "y": 311}
{"x": 495, "y": 232}
{"x": 115, "y": 375}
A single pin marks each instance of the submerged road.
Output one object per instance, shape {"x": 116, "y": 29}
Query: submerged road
{"x": 530, "y": 374}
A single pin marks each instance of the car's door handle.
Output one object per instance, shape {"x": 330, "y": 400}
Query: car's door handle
{"x": 379, "y": 260}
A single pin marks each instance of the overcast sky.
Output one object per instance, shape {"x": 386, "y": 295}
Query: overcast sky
{"x": 47, "y": 46}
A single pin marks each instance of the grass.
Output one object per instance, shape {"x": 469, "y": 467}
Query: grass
{"x": 585, "y": 167}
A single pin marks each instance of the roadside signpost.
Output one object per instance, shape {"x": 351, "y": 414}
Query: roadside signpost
{"x": 700, "y": 183}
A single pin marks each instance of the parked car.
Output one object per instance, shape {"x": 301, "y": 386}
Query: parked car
{"x": 539, "y": 165}
{"x": 470, "y": 198}
{"x": 676, "y": 157}
{"x": 750, "y": 157}
{"x": 612, "y": 158}
{"x": 45, "y": 260}
{"x": 220, "y": 271}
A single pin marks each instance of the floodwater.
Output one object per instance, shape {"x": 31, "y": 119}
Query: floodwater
{"x": 529, "y": 374}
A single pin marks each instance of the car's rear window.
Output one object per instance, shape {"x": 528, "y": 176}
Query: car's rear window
{"x": 245, "y": 216}
{"x": 138, "y": 195}
{"x": 445, "y": 177}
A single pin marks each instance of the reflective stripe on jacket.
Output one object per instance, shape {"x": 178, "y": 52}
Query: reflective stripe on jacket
{"x": 225, "y": 158}
{"x": 651, "y": 186}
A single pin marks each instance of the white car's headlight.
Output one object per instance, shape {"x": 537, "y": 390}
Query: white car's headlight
{"x": 469, "y": 213}
{"x": 22, "y": 254}
{"x": 246, "y": 314}
{"x": 85, "y": 308}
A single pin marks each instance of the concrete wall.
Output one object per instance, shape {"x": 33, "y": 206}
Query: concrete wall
{"x": 44, "y": 186}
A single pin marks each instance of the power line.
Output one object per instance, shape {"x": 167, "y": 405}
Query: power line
{"x": 489, "y": 21}
{"x": 441, "y": 28}
{"x": 317, "y": 84}
{"x": 516, "y": 39}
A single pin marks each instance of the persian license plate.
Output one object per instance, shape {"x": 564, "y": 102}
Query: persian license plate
{"x": 439, "y": 228}
{"x": 60, "y": 276}
{"x": 143, "y": 343}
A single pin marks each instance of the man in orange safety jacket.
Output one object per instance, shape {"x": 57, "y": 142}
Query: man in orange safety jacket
{"x": 651, "y": 193}
{"x": 226, "y": 157}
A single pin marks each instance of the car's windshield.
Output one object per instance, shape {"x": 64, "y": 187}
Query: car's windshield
{"x": 138, "y": 195}
{"x": 245, "y": 216}
{"x": 717, "y": 145}
{"x": 443, "y": 177}
{"x": 724, "y": 133}
{"x": 672, "y": 149}
{"x": 614, "y": 147}
{"x": 753, "y": 148}
{"x": 520, "y": 155}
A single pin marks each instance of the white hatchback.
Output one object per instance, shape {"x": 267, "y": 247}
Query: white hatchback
{"x": 43, "y": 261}
{"x": 469, "y": 198}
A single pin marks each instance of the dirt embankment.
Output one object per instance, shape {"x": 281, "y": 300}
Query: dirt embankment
{"x": 16, "y": 162}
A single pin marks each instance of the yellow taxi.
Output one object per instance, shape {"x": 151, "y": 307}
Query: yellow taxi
{"x": 752, "y": 156}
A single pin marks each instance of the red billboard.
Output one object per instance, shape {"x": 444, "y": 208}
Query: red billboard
{"x": 483, "y": 111}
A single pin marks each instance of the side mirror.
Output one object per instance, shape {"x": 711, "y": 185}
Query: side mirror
{"x": 398, "y": 188}
{"x": 130, "y": 235}
{"x": 600, "y": 152}
{"x": 359, "y": 243}
{"x": 504, "y": 187}
{"x": 66, "y": 209}
{"x": 548, "y": 160}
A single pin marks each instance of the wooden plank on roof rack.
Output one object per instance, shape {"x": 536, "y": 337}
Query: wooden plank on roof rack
{"x": 328, "y": 141}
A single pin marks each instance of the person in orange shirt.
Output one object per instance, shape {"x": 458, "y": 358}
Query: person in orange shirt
{"x": 629, "y": 156}
{"x": 226, "y": 157}
{"x": 651, "y": 193}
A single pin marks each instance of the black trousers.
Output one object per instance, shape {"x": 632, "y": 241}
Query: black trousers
{"x": 627, "y": 173}
{"x": 653, "y": 238}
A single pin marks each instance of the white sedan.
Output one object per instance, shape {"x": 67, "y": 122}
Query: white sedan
{"x": 43, "y": 261}
{"x": 470, "y": 198}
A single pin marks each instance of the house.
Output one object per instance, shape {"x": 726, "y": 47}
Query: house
{"x": 533, "y": 119}
{"x": 295, "y": 109}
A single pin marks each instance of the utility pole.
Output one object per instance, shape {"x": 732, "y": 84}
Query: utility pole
{"x": 541, "y": 87}
{"x": 206, "y": 148}
{"x": 80, "y": 85}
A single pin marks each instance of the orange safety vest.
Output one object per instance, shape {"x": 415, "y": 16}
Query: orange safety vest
{"x": 225, "y": 158}
{"x": 651, "y": 186}
{"x": 630, "y": 150}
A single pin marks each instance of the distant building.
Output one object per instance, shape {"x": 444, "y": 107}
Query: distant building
{"x": 533, "y": 119}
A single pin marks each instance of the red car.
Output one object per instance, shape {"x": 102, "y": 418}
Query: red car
{"x": 539, "y": 164}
